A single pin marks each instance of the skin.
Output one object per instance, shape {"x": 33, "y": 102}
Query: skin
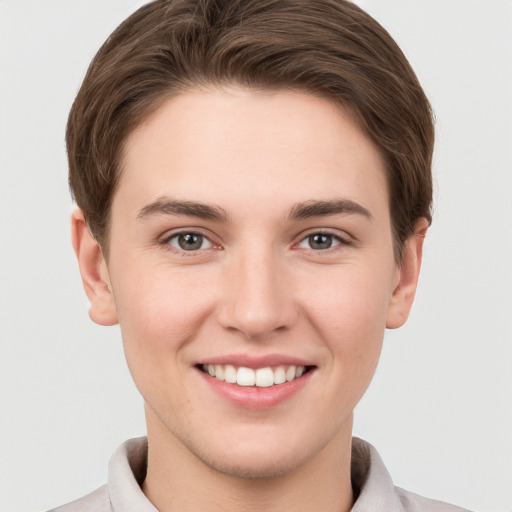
{"x": 257, "y": 285}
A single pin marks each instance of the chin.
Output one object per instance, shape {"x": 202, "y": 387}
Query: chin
{"x": 263, "y": 466}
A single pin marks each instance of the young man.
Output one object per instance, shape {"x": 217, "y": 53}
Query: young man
{"x": 254, "y": 187}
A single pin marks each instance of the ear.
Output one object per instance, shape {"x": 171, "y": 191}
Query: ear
{"x": 409, "y": 271}
{"x": 94, "y": 272}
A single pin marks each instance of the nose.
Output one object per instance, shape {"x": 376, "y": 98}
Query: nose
{"x": 258, "y": 298}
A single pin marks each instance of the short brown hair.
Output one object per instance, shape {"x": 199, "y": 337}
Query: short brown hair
{"x": 329, "y": 48}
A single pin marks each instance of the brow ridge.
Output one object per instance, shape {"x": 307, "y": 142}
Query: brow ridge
{"x": 299, "y": 211}
{"x": 164, "y": 206}
{"x": 342, "y": 206}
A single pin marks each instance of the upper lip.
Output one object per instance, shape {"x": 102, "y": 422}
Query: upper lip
{"x": 254, "y": 362}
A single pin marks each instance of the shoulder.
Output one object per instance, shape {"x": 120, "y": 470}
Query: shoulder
{"x": 376, "y": 490}
{"x": 96, "y": 501}
{"x": 412, "y": 502}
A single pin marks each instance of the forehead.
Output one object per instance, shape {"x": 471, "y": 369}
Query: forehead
{"x": 240, "y": 147}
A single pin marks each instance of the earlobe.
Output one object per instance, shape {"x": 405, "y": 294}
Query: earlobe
{"x": 94, "y": 272}
{"x": 403, "y": 295}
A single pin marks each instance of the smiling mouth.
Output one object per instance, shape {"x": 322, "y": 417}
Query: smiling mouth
{"x": 249, "y": 377}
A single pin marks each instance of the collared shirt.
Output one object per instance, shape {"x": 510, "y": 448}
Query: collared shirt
{"x": 372, "y": 485}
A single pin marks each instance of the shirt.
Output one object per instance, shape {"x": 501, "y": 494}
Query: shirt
{"x": 372, "y": 484}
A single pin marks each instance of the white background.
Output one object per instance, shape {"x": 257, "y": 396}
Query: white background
{"x": 440, "y": 407}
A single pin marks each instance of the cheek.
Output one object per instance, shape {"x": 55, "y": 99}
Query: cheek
{"x": 159, "y": 312}
{"x": 350, "y": 312}
{"x": 162, "y": 303}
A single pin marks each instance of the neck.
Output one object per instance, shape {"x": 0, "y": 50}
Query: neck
{"x": 178, "y": 480}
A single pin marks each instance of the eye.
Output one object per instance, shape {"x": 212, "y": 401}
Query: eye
{"x": 189, "y": 241}
{"x": 320, "y": 241}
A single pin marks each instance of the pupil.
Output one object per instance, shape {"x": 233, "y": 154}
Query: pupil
{"x": 190, "y": 241}
{"x": 320, "y": 241}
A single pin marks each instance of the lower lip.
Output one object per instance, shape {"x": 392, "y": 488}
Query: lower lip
{"x": 253, "y": 397}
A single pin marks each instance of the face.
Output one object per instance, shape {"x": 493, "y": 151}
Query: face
{"x": 252, "y": 272}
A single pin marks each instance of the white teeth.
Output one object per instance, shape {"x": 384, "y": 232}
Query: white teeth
{"x": 290, "y": 373}
{"x": 245, "y": 377}
{"x": 261, "y": 377}
{"x": 279, "y": 375}
{"x": 230, "y": 374}
{"x": 264, "y": 377}
{"x": 219, "y": 372}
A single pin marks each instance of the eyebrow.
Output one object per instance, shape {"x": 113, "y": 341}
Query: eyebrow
{"x": 310, "y": 209}
{"x": 190, "y": 208}
{"x": 299, "y": 211}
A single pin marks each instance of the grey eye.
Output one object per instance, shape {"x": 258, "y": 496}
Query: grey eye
{"x": 190, "y": 241}
{"x": 320, "y": 241}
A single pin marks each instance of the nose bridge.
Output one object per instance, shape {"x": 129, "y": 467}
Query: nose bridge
{"x": 258, "y": 297}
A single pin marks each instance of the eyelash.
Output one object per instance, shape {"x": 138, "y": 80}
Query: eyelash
{"x": 166, "y": 242}
{"x": 336, "y": 237}
{"x": 339, "y": 240}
